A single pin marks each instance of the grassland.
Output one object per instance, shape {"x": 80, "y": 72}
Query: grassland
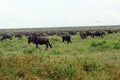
{"x": 83, "y": 59}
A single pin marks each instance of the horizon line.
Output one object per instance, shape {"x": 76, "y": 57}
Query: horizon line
{"x": 61, "y": 26}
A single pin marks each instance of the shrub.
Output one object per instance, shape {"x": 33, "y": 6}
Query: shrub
{"x": 100, "y": 45}
{"x": 28, "y": 51}
{"x": 90, "y": 65}
{"x": 116, "y": 45}
{"x": 1, "y": 53}
{"x": 55, "y": 52}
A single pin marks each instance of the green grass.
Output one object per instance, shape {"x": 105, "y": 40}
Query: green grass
{"x": 83, "y": 59}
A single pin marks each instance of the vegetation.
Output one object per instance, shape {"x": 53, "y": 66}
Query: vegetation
{"x": 83, "y": 59}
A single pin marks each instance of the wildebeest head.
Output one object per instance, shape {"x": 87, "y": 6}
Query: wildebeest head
{"x": 31, "y": 39}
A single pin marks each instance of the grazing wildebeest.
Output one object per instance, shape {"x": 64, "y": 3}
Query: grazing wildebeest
{"x": 99, "y": 33}
{"x": 6, "y": 36}
{"x": 109, "y": 31}
{"x": 72, "y": 32}
{"x": 82, "y": 34}
{"x": 66, "y": 38}
{"x": 39, "y": 40}
{"x": 18, "y": 35}
{"x": 88, "y": 33}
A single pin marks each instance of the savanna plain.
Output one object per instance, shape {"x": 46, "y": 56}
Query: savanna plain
{"x": 83, "y": 59}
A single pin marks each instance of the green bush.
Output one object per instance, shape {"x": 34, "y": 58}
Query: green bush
{"x": 100, "y": 45}
{"x": 55, "y": 52}
{"x": 116, "y": 45}
{"x": 90, "y": 64}
{"x": 1, "y": 53}
{"x": 29, "y": 51}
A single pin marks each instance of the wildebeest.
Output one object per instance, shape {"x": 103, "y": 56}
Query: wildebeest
{"x": 39, "y": 40}
{"x": 6, "y": 36}
{"x": 92, "y": 34}
{"x": 99, "y": 33}
{"x": 18, "y": 35}
{"x": 109, "y": 31}
{"x": 67, "y": 38}
{"x": 82, "y": 34}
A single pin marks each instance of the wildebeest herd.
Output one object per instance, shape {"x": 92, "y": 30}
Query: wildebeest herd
{"x": 42, "y": 37}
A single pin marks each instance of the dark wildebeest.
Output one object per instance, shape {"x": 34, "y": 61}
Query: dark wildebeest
{"x": 72, "y": 32}
{"x": 82, "y": 34}
{"x": 109, "y": 31}
{"x": 99, "y": 33}
{"x": 66, "y": 38}
{"x": 6, "y": 36}
{"x": 39, "y": 40}
{"x": 18, "y": 35}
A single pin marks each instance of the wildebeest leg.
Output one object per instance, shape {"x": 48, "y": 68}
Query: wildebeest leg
{"x": 70, "y": 41}
{"x": 49, "y": 44}
{"x": 37, "y": 47}
{"x": 46, "y": 46}
{"x": 101, "y": 36}
{"x": 63, "y": 40}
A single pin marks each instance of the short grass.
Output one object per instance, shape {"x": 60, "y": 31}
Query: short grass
{"x": 83, "y": 59}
